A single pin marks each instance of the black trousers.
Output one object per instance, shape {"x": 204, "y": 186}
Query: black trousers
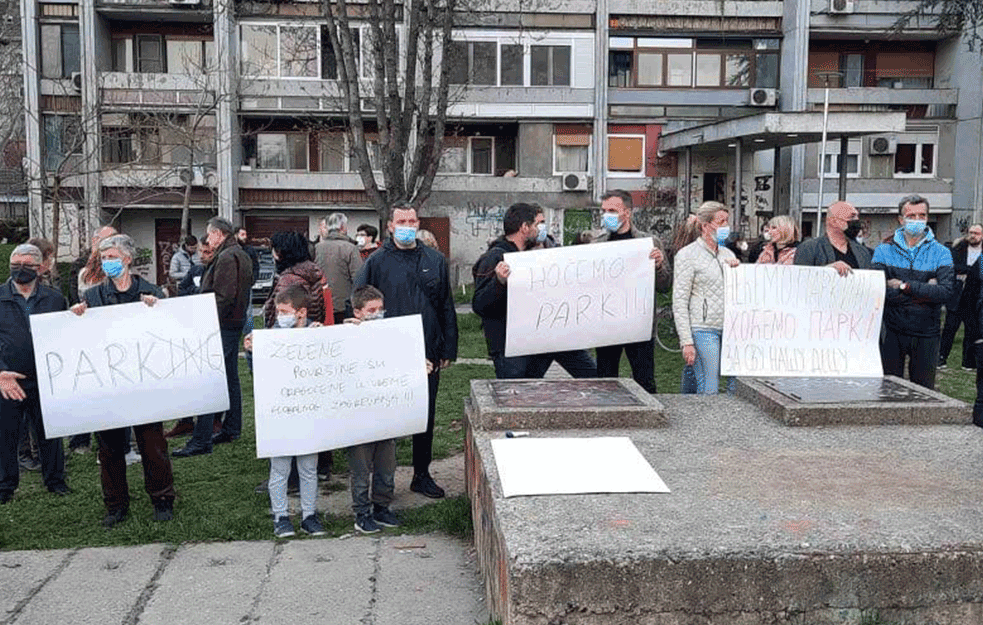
{"x": 641, "y": 357}
{"x": 921, "y": 352}
{"x": 14, "y": 415}
{"x": 423, "y": 442}
{"x": 953, "y": 318}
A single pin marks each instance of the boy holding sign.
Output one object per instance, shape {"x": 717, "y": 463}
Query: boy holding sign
{"x": 291, "y": 312}
{"x": 372, "y": 513}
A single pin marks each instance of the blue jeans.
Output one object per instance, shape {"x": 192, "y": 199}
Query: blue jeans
{"x": 707, "y": 365}
{"x": 232, "y": 425}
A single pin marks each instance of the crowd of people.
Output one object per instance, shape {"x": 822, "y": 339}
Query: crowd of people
{"x": 341, "y": 280}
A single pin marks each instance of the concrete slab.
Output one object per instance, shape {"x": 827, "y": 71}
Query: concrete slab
{"x": 427, "y": 580}
{"x": 911, "y": 404}
{"x": 211, "y": 583}
{"x": 319, "y": 581}
{"x": 98, "y": 586}
{"x": 765, "y": 524}
{"x": 555, "y": 403}
{"x": 23, "y": 573}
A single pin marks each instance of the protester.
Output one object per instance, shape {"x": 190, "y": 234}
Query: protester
{"x": 962, "y": 308}
{"x": 184, "y": 258}
{"x": 428, "y": 238}
{"x": 783, "y": 239}
{"x": 616, "y": 219}
{"x": 123, "y": 287}
{"x": 686, "y": 232}
{"x": 191, "y": 283}
{"x": 242, "y": 237}
{"x": 838, "y": 248}
{"x": 367, "y": 239}
{"x": 20, "y": 402}
{"x": 524, "y": 225}
{"x": 375, "y": 461}
{"x": 414, "y": 279}
{"x": 294, "y": 267}
{"x": 228, "y": 276}
{"x": 339, "y": 261}
{"x": 49, "y": 271}
{"x": 920, "y": 279}
{"x": 698, "y": 295}
{"x": 291, "y": 305}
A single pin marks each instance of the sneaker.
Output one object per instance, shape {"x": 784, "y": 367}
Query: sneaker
{"x": 324, "y": 476}
{"x": 132, "y": 457}
{"x": 942, "y": 365}
{"x": 365, "y": 524}
{"x": 29, "y": 464}
{"x": 311, "y": 525}
{"x": 113, "y": 517}
{"x": 968, "y": 369}
{"x": 283, "y": 528}
{"x": 422, "y": 483}
{"x": 164, "y": 511}
{"x": 81, "y": 450}
{"x": 385, "y": 517}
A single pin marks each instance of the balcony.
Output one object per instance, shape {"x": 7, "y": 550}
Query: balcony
{"x": 699, "y": 8}
{"x": 174, "y": 91}
{"x": 252, "y": 179}
{"x": 678, "y": 97}
{"x": 885, "y": 96}
{"x": 869, "y": 16}
{"x": 199, "y": 11}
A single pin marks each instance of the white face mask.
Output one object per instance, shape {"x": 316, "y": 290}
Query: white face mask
{"x": 360, "y": 240}
{"x": 379, "y": 314}
{"x": 286, "y": 321}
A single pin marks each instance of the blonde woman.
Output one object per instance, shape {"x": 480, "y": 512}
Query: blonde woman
{"x": 783, "y": 234}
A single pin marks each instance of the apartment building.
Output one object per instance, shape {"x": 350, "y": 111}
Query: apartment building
{"x": 136, "y": 108}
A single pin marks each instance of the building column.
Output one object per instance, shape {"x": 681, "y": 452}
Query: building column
{"x": 794, "y": 92}
{"x": 31, "y": 65}
{"x": 601, "y": 100}
{"x": 227, "y": 138}
{"x": 91, "y": 122}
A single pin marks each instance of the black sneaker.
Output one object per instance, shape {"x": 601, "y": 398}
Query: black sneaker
{"x": 365, "y": 524}
{"x": 385, "y": 517}
{"x": 6, "y": 496}
{"x": 29, "y": 464}
{"x": 311, "y": 525}
{"x": 422, "y": 483}
{"x": 283, "y": 528}
{"x": 113, "y": 517}
{"x": 164, "y": 511}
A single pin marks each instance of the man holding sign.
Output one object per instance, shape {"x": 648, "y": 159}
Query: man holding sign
{"x": 20, "y": 297}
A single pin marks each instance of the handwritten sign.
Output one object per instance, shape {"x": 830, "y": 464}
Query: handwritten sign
{"x": 784, "y": 320}
{"x": 579, "y": 297}
{"x": 129, "y": 364}
{"x": 336, "y": 386}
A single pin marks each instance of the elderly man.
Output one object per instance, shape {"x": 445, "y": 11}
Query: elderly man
{"x": 838, "y": 248}
{"x": 415, "y": 280}
{"x": 339, "y": 261}
{"x": 20, "y": 297}
{"x": 228, "y": 276}
{"x": 616, "y": 219}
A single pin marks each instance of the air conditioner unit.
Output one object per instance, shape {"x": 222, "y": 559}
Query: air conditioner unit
{"x": 763, "y": 97}
{"x": 883, "y": 145}
{"x": 841, "y": 7}
{"x": 574, "y": 181}
{"x": 77, "y": 81}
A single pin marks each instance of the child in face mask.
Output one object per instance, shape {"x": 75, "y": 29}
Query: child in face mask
{"x": 291, "y": 312}
{"x": 375, "y": 460}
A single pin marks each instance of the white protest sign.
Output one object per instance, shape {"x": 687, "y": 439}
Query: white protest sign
{"x": 578, "y": 297}
{"x": 336, "y": 386}
{"x": 129, "y": 364}
{"x": 794, "y": 321}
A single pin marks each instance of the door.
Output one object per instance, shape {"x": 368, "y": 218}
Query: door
{"x": 167, "y": 235}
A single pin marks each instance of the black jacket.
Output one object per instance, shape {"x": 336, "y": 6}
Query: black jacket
{"x": 16, "y": 346}
{"x": 968, "y": 292}
{"x": 105, "y": 293}
{"x": 415, "y": 281}
{"x": 187, "y": 284}
{"x": 490, "y": 301}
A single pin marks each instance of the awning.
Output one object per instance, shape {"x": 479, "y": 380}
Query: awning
{"x": 771, "y": 130}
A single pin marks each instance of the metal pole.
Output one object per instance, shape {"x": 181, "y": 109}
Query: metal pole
{"x": 822, "y": 163}
{"x": 844, "y": 155}
{"x": 689, "y": 181}
{"x": 738, "y": 191}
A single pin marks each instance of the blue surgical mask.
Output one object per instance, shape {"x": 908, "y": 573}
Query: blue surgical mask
{"x": 611, "y": 222}
{"x": 914, "y": 227}
{"x": 404, "y": 235}
{"x": 541, "y": 234}
{"x": 722, "y": 233}
{"x": 379, "y": 314}
{"x": 286, "y": 321}
{"x": 113, "y": 267}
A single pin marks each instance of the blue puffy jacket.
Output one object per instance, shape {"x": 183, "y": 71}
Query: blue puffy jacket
{"x": 917, "y": 312}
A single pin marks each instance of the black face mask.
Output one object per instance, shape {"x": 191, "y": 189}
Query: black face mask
{"x": 24, "y": 275}
{"x": 853, "y": 228}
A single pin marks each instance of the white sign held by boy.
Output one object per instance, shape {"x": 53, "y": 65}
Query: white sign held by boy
{"x": 337, "y": 386}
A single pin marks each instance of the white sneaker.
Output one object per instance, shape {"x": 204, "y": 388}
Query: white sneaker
{"x": 133, "y": 457}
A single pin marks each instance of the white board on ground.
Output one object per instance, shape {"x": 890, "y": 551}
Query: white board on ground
{"x": 578, "y": 297}
{"x": 336, "y": 386}
{"x": 555, "y": 466}
{"x": 797, "y": 321}
{"x": 129, "y": 364}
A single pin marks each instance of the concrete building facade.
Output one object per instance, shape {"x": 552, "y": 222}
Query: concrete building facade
{"x": 136, "y": 107}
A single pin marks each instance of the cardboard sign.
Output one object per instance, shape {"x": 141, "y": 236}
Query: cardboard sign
{"x": 578, "y": 297}
{"x": 129, "y": 364}
{"x": 337, "y": 386}
{"x": 782, "y": 320}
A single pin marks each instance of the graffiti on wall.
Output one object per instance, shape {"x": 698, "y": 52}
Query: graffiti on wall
{"x": 484, "y": 221}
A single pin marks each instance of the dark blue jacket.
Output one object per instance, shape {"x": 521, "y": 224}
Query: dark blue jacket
{"x": 16, "y": 346}
{"x": 415, "y": 281}
{"x": 917, "y": 312}
{"x": 491, "y": 297}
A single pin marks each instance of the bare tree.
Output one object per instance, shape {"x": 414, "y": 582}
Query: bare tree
{"x": 951, "y": 18}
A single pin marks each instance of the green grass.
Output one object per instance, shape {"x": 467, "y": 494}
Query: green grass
{"x": 463, "y": 294}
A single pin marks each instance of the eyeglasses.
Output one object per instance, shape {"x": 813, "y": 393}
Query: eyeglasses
{"x": 19, "y": 266}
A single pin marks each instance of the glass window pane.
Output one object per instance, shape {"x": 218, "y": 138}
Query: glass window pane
{"x": 271, "y": 151}
{"x": 485, "y": 61}
{"x": 853, "y": 68}
{"x": 828, "y": 164}
{"x": 767, "y": 44}
{"x": 680, "y": 70}
{"x": 852, "y": 164}
{"x": 52, "y": 142}
{"x": 619, "y": 69}
{"x": 70, "y": 53}
{"x": 738, "y": 68}
{"x": 184, "y": 57}
{"x": 649, "y": 69}
{"x": 540, "y": 65}
{"x": 298, "y": 51}
{"x": 707, "y": 70}
{"x": 928, "y": 158}
{"x": 457, "y": 57}
{"x": 454, "y": 160}
{"x": 481, "y": 156}
{"x": 512, "y": 71}
{"x": 571, "y": 158}
{"x": 119, "y": 55}
{"x": 766, "y": 71}
{"x": 297, "y": 146}
{"x": 904, "y": 158}
{"x": 150, "y": 54}
{"x": 329, "y": 64}
{"x": 259, "y": 50}
{"x": 561, "y": 65}
{"x": 332, "y": 147}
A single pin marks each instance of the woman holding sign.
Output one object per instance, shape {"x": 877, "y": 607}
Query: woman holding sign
{"x": 698, "y": 295}
{"x": 122, "y": 287}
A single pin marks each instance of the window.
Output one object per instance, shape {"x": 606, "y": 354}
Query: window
{"x": 332, "y": 151}
{"x": 70, "y": 52}
{"x": 473, "y": 62}
{"x": 513, "y": 62}
{"x": 329, "y": 64}
{"x": 710, "y": 63}
{"x": 481, "y": 155}
{"x": 914, "y": 160}
{"x": 626, "y": 154}
{"x": 117, "y": 146}
{"x": 149, "y": 54}
{"x": 707, "y": 70}
{"x": 189, "y": 57}
{"x": 60, "y": 53}
{"x": 282, "y": 51}
{"x": 62, "y": 137}
{"x": 454, "y": 158}
{"x": 831, "y": 165}
{"x": 132, "y": 139}
{"x": 571, "y": 149}
{"x": 475, "y": 155}
{"x": 281, "y": 151}
{"x": 550, "y": 65}
{"x": 619, "y": 70}
{"x": 299, "y": 52}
